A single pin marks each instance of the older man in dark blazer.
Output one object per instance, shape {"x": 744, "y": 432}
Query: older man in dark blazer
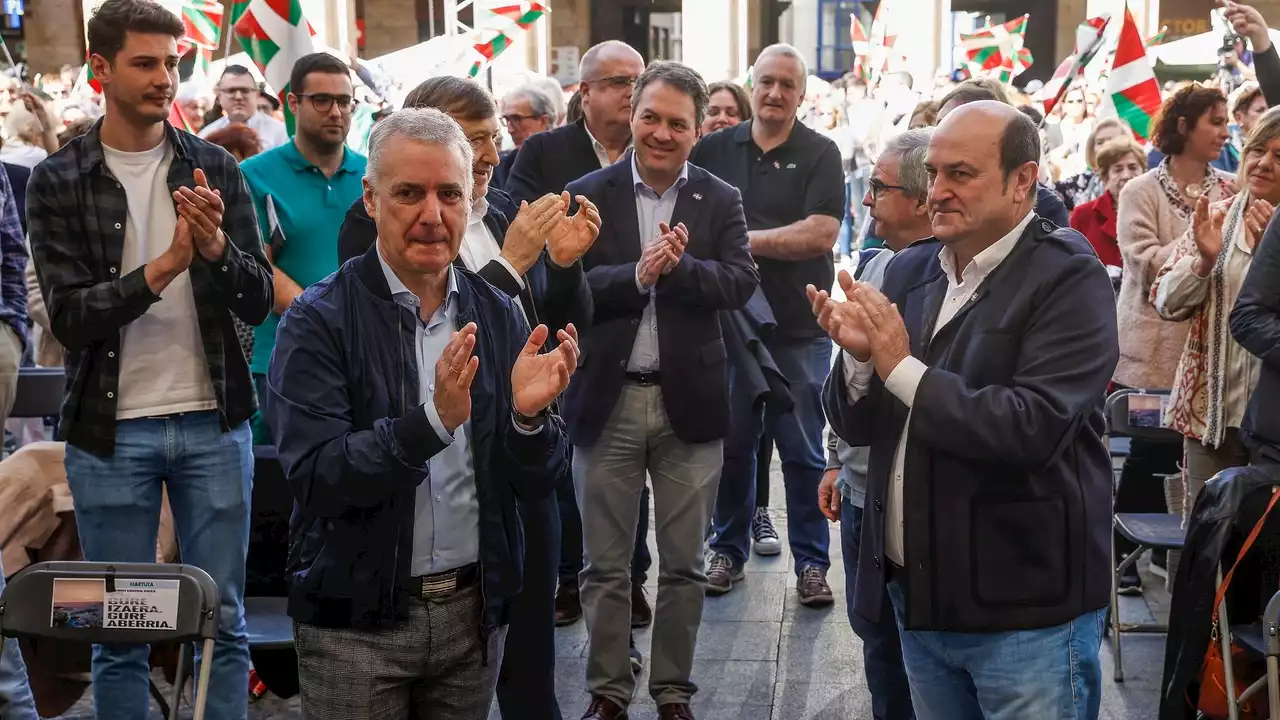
{"x": 654, "y": 394}
{"x": 977, "y": 380}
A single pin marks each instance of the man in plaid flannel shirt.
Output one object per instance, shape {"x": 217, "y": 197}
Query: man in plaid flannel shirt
{"x": 146, "y": 245}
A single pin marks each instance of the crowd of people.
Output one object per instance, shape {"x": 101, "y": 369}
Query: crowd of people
{"x": 480, "y": 367}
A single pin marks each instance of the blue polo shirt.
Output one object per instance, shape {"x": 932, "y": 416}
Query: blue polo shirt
{"x": 309, "y": 209}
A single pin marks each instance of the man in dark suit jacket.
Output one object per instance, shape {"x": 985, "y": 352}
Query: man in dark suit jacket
{"x": 1255, "y": 324}
{"x": 654, "y": 394}
{"x": 977, "y": 380}
{"x": 531, "y": 254}
{"x": 547, "y": 163}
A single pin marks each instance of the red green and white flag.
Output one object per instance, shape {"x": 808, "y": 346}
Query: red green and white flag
{"x": 496, "y": 35}
{"x": 275, "y": 35}
{"x": 1158, "y": 37}
{"x": 1089, "y": 40}
{"x": 997, "y": 50}
{"x": 1132, "y": 91}
{"x": 202, "y": 20}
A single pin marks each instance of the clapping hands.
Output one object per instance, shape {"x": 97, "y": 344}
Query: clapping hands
{"x": 572, "y": 235}
{"x": 866, "y": 325}
{"x": 538, "y": 378}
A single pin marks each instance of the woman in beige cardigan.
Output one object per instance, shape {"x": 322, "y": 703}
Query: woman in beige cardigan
{"x": 1155, "y": 211}
{"x": 1200, "y": 282}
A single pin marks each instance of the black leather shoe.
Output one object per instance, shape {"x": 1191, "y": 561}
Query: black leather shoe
{"x": 568, "y": 605}
{"x": 641, "y": 613}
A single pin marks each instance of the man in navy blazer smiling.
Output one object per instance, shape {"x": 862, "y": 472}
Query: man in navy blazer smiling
{"x": 653, "y": 393}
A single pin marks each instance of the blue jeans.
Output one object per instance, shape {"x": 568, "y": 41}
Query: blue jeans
{"x": 16, "y": 702}
{"x": 798, "y": 438}
{"x": 209, "y": 476}
{"x": 1049, "y": 672}
{"x": 881, "y": 647}
{"x": 844, "y": 240}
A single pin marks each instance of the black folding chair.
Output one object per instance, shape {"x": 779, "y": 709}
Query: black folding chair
{"x": 1271, "y": 645}
{"x": 36, "y": 604}
{"x": 266, "y": 599}
{"x": 39, "y": 393}
{"x": 1126, "y": 417}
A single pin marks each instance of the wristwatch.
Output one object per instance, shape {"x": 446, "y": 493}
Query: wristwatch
{"x": 529, "y": 422}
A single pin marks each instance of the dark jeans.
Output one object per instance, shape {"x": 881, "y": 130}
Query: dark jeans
{"x": 1141, "y": 487}
{"x": 527, "y": 681}
{"x": 571, "y": 536}
{"x": 881, "y": 647}
{"x": 798, "y": 437}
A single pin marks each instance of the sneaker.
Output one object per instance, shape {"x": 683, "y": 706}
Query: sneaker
{"x": 568, "y": 604}
{"x": 637, "y": 660}
{"x": 1129, "y": 585}
{"x": 722, "y": 574}
{"x": 764, "y": 538}
{"x": 641, "y": 613}
{"x": 813, "y": 588}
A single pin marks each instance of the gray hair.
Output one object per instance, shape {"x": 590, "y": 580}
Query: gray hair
{"x": 426, "y": 125}
{"x": 538, "y": 100}
{"x": 785, "y": 50}
{"x": 909, "y": 148}
{"x": 553, "y": 90}
{"x": 679, "y": 76}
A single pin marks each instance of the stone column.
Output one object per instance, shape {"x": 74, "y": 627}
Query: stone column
{"x": 389, "y": 25}
{"x": 54, "y": 35}
{"x": 709, "y": 31}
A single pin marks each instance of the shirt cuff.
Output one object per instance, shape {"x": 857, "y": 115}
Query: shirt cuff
{"x": 434, "y": 418}
{"x": 511, "y": 269}
{"x": 905, "y": 379}
{"x": 857, "y": 376}
{"x": 522, "y": 431}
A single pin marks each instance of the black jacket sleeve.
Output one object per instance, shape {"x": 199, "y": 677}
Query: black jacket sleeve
{"x": 1267, "y": 67}
{"x": 1255, "y": 320}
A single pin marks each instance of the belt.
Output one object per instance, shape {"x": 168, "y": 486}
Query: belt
{"x": 444, "y": 584}
{"x": 653, "y": 377}
{"x": 894, "y": 571}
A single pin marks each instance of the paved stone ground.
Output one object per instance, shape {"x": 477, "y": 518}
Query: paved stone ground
{"x": 763, "y": 656}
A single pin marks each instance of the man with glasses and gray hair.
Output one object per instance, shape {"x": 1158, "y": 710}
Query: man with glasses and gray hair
{"x": 301, "y": 192}
{"x": 409, "y": 404}
{"x": 897, "y": 197}
{"x": 526, "y": 111}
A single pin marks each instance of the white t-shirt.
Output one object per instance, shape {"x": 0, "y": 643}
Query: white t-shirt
{"x": 163, "y": 370}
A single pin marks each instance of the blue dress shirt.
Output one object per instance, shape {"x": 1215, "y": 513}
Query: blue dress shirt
{"x": 446, "y": 529}
{"x": 651, "y": 209}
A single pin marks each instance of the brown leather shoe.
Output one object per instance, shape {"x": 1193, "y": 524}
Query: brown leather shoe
{"x": 568, "y": 605}
{"x": 675, "y": 711}
{"x": 641, "y": 613}
{"x": 602, "y": 708}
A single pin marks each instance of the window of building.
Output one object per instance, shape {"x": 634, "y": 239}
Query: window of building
{"x": 835, "y": 44}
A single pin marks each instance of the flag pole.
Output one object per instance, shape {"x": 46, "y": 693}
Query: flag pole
{"x": 227, "y": 30}
{"x": 1076, "y": 70}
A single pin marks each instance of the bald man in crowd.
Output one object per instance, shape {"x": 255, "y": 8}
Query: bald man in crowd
{"x": 977, "y": 376}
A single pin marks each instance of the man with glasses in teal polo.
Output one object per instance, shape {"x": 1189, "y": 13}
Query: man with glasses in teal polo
{"x": 301, "y": 191}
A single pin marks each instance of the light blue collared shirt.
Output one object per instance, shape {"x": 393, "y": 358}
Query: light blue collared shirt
{"x": 446, "y": 529}
{"x": 651, "y": 209}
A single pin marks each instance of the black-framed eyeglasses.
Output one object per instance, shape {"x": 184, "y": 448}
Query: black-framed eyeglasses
{"x": 323, "y": 102}
{"x": 514, "y": 119}
{"x": 878, "y": 188}
{"x": 236, "y": 92}
{"x": 617, "y": 82}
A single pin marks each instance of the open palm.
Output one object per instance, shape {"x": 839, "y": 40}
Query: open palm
{"x": 846, "y": 330}
{"x": 573, "y": 236}
{"x": 538, "y": 378}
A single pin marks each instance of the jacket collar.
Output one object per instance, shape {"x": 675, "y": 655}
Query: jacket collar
{"x": 91, "y": 154}
{"x": 368, "y": 269}
{"x": 1105, "y": 208}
